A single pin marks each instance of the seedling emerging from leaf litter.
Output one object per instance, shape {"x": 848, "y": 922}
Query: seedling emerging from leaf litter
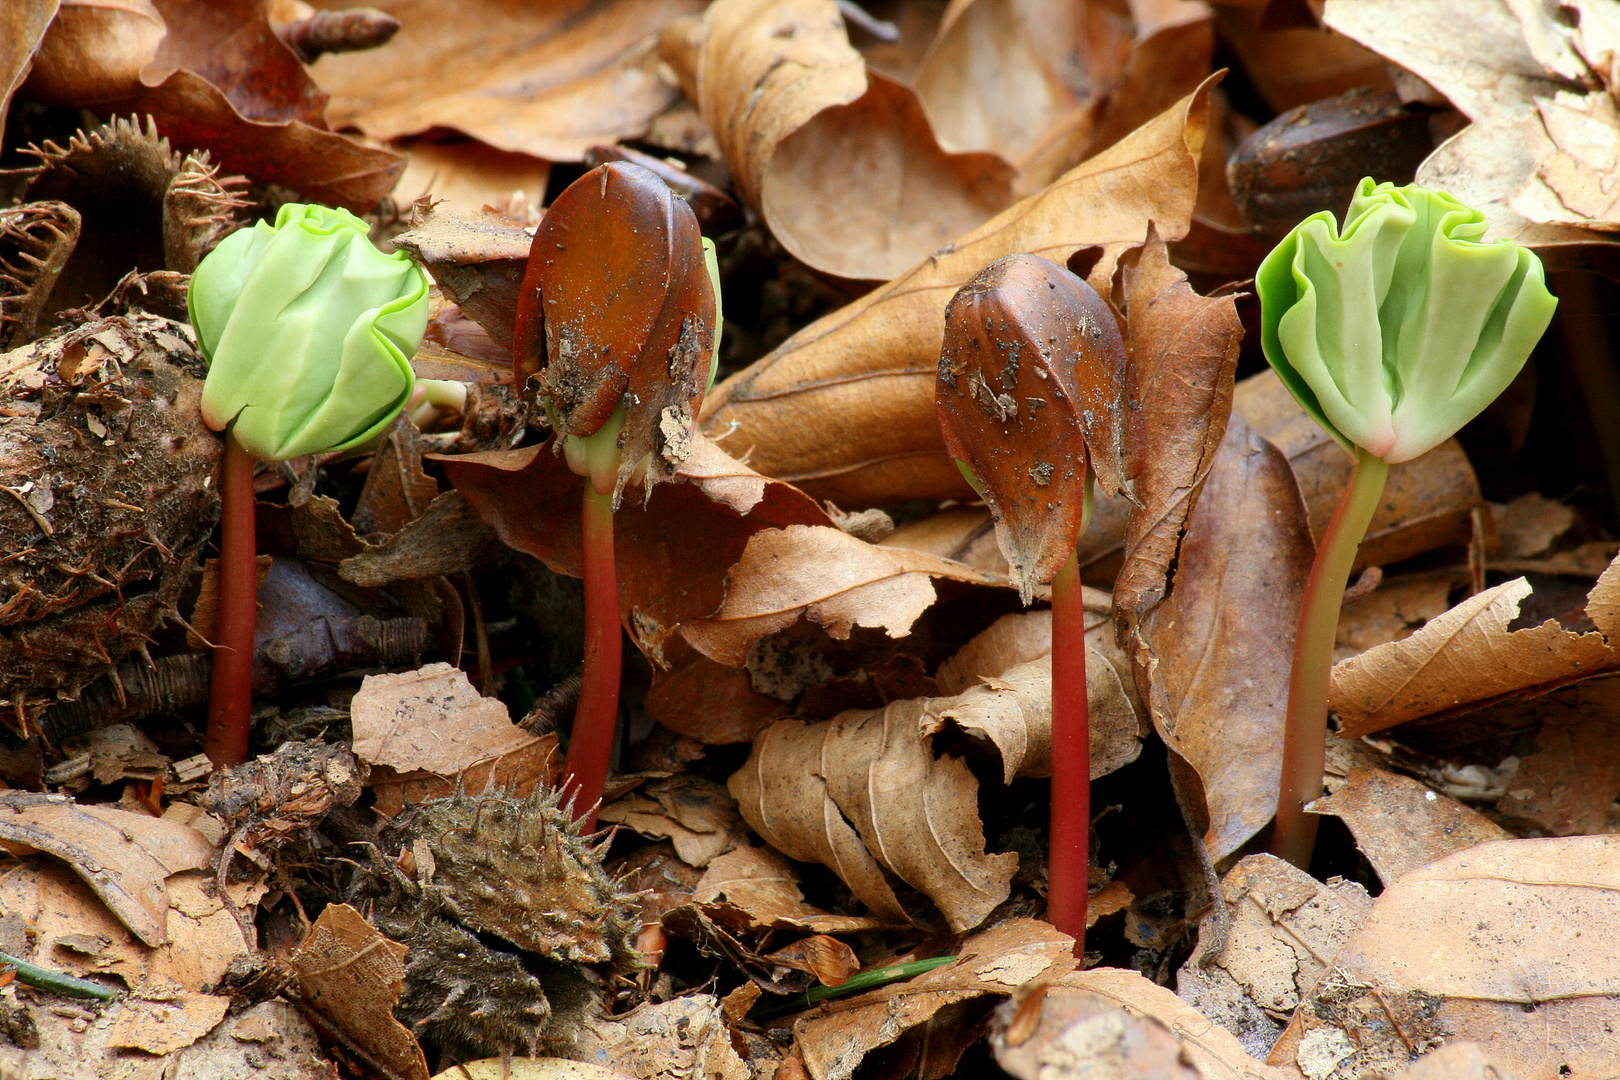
{"x": 1393, "y": 334}
{"x": 309, "y": 332}
{"x": 617, "y": 326}
{"x": 1030, "y": 398}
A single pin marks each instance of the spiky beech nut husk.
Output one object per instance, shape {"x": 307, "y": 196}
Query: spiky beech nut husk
{"x": 144, "y": 205}
{"x": 35, "y": 242}
{"x": 109, "y": 498}
{"x": 512, "y": 925}
{"x": 1030, "y": 397}
{"x": 617, "y": 310}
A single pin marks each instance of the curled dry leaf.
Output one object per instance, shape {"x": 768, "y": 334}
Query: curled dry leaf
{"x": 125, "y": 857}
{"x": 548, "y": 80}
{"x": 757, "y": 888}
{"x": 1495, "y": 944}
{"x": 352, "y": 975}
{"x": 1470, "y": 656}
{"x": 864, "y": 792}
{"x": 1286, "y": 927}
{"x": 827, "y": 576}
{"x": 698, "y": 816}
{"x": 992, "y": 963}
{"x": 796, "y": 114}
{"x": 845, "y": 407}
{"x": 1487, "y": 68}
{"x": 1183, "y": 354}
{"x": 1219, "y": 647}
{"x": 1400, "y": 825}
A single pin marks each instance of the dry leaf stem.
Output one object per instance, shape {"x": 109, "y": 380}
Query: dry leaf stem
{"x": 590, "y": 744}
{"x": 1305, "y": 727}
{"x": 230, "y": 692}
{"x": 1068, "y": 879}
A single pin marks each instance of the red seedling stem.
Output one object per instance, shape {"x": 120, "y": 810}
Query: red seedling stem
{"x": 230, "y": 693}
{"x": 590, "y": 744}
{"x": 1070, "y": 856}
{"x": 1293, "y": 836}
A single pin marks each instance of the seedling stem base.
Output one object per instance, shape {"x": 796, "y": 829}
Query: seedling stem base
{"x": 1070, "y": 854}
{"x": 590, "y": 743}
{"x": 230, "y": 692}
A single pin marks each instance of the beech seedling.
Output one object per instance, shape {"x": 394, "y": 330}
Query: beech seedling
{"x": 1393, "y": 333}
{"x": 617, "y": 328}
{"x": 1030, "y": 399}
{"x": 309, "y": 332}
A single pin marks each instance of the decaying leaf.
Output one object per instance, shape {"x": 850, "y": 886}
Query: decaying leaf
{"x": 1568, "y": 782}
{"x": 1494, "y": 945}
{"x": 1400, "y": 825}
{"x": 845, "y": 408}
{"x": 125, "y": 857}
{"x": 1286, "y": 927}
{"x": 168, "y": 1024}
{"x": 757, "y": 888}
{"x": 795, "y": 112}
{"x": 1489, "y": 70}
{"x": 993, "y": 963}
{"x": 22, "y": 27}
{"x": 430, "y": 719}
{"x": 1471, "y": 656}
{"x": 697, "y": 815}
{"x": 684, "y": 1039}
{"x": 547, "y": 81}
{"x": 864, "y": 792}
{"x": 827, "y": 576}
{"x": 352, "y": 975}
{"x": 1220, "y": 645}
{"x": 1080, "y": 1034}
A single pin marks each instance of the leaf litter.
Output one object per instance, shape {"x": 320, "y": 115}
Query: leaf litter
{"x": 826, "y": 854}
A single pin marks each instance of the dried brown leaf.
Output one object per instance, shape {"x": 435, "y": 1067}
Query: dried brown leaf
{"x": 22, "y": 27}
{"x": 845, "y": 408}
{"x": 1494, "y": 945}
{"x": 1286, "y": 927}
{"x": 827, "y": 576}
{"x": 684, "y": 1038}
{"x": 1183, "y": 354}
{"x": 1220, "y": 646}
{"x": 125, "y": 857}
{"x": 1490, "y": 72}
{"x": 698, "y": 816}
{"x": 761, "y": 885}
{"x": 547, "y": 80}
{"x": 1470, "y": 656}
{"x": 1078, "y": 1034}
{"x": 168, "y": 1024}
{"x": 833, "y": 1041}
{"x": 352, "y": 975}
{"x": 1400, "y": 825}
{"x": 796, "y": 114}
{"x": 864, "y": 791}
{"x": 430, "y": 719}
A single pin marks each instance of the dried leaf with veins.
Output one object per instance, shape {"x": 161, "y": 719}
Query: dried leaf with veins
{"x": 1493, "y": 944}
{"x": 827, "y": 576}
{"x": 1219, "y": 647}
{"x": 845, "y": 407}
{"x": 1184, "y": 350}
{"x": 1470, "y": 656}
{"x": 796, "y": 114}
{"x": 545, "y": 80}
{"x": 1401, "y": 825}
{"x": 864, "y": 792}
{"x": 1030, "y": 397}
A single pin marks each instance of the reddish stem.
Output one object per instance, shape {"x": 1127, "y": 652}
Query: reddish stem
{"x": 230, "y": 693}
{"x": 1067, "y": 863}
{"x": 590, "y": 744}
{"x": 1293, "y": 834}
